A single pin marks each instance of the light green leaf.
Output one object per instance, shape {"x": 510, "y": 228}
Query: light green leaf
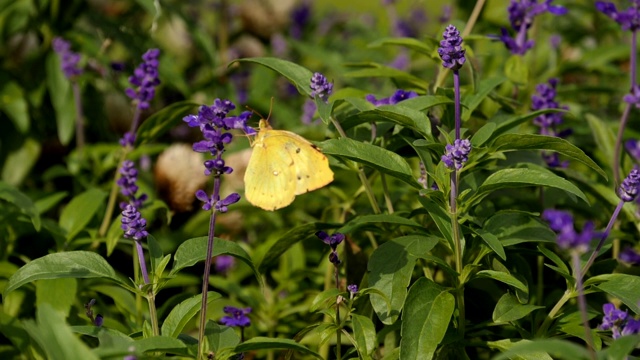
{"x": 20, "y": 162}
{"x": 509, "y": 309}
{"x": 22, "y": 201}
{"x": 182, "y": 313}
{"x": 62, "y": 98}
{"x": 506, "y": 344}
{"x": 426, "y": 48}
{"x": 483, "y": 89}
{"x": 73, "y": 264}
{"x": 375, "y": 221}
{"x": 531, "y": 350}
{"x": 492, "y": 241}
{"x": 298, "y": 75}
{"x": 514, "y": 227}
{"x": 397, "y": 114}
{"x": 622, "y": 286}
{"x": 517, "y": 70}
{"x": 220, "y": 337}
{"x": 14, "y": 104}
{"x": 80, "y": 210}
{"x": 364, "y": 332}
{"x": 59, "y": 293}
{"x": 264, "y": 343}
{"x": 373, "y": 156}
{"x": 425, "y": 319}
{"x": 382, "y": 71}
{"x": 505, "y": 278}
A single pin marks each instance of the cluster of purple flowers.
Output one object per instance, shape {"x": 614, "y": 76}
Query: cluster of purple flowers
{"x": 353, "y": 289}
{"x": 398, "y": 96}
{"x": 628, "y": 19}
{"x": 545, "y": 98}
{"x": 521, "y": 15}
{"x": 628, "y": 190}
{"x": 68, "y": 59}
{"x": 133, "y": 224}
{"x": 300, "y": 16}
{"x": 618, "y": 321}
{"x": 568, "y": 238}
{"x": 320, "y": 87}
{"x": 215, "y": 124}
{"x": 236, "y": 317}
{"x": 145, "y": 79}
{"x": 333, "y": 241}
{"x": 450, "y": 49}
{"x": 457, "y": 154}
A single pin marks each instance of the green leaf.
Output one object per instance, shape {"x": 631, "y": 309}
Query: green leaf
{"x": 603, "y": 135}
{"x": 15, "y": 106}
{"x": 382, "y": 71}
{"x": 164, "y": 120}
{"x": 195, "y": 250}
{"x": 483, "y": 134}
{"x": 506, "y": 344}
{"x": 159, "y": 344}
{"x": 515, "y": 178}
{"x": 561, "y": 267}
{"x": 73, "y": 264}
{"x": 426, "y": 48}
{"x": 55, "y": 337}
{"x": 220, "y": 337}
{"x": 373, "y": 156}
{"x": 62, "y": 98}
{"x": 517, "y": 70}
{"x": 526, "y": 349}
{"x": 397, "y": 114}
{"x": 22, "y": 201}
{"x": 550, "y": 143}
{"x": 505, "y": 278}
{"x": 623, "y": 346}
{"x": 377, "y": 220}
{"x": 289, "y": 239}
{"x": 426, "y": 317}
{"x": 80, "y": 210}
{"x": 440, "y": 216}
{"x": 59, "y": 293}
{"x": 298, "y": 75}
{"x": 364, "y": 332}
{"x": 323, "y": 297}
{"x": 509, "y": 309}
{"x": 390, "y": 268}
{"x": 20, "y": 162}
{"x": 13, "y": 330}
{"x": 264, "y": 343}
{"x": 622, "y": 286}
{"x": 182, "y": 313}
{"x": 484, "y": 87}
{"x": 492, "y": 241}
{"x": 514, "y": 227}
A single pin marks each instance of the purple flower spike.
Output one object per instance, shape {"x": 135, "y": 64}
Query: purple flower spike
{"x": 320, "y": 87}
{"x": 69, "y": 59}
{"x": 545, "y": 98}
{"x": 629, "y": 256}
{"x": 613, "y": 319}
{"x": 628, "y": 190}
{"x": 300, "y": 17}
{"x": 568, "y": 238}
{"x": 236, "y": 316}
{"x": 133, "y": 224}
{"x": 628, "y": 19}
{"x": 456, "y": 155}
{"x": 450, "y": 49}
{"x": 145, "y": 79}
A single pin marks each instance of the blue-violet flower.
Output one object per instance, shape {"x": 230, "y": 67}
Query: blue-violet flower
{"x": 333, "y": 241}
{"x": 321, "y": 87}
{"x": 236, "y": 316}
{"x": 398, "y": 96}
{"x": 568, "y": 238}
{"x": 457, "y": 154}
{"x": 133, "y": 224}
{"x": 630, "y": 256}
{"x": 628, "y": 19}
{"x": 145, "y": 79}
{"x": 68, "y": 59}
{"x": 628, "y": 190}
{"x": 450, "y": 49}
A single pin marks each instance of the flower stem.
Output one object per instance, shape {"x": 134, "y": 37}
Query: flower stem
{"x": 153, "y": 314}
{"x": 339, "y": 332}
{"x": 625, "y": 115}
{"x": 582, "y": 303}
{"x": 595, "y": 252}
{"x": 79, "y": 116}
{"x": 457, "y": 251}
{"x": 207, "y": 269}
{"x": 556, "y": 308}
{"x": 456, "y": 92}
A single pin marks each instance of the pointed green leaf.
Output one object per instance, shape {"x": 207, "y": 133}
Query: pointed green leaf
{"x": 506, "y": 344}
{"x": 425, "y": 319}
{"x": 182, "y": 313}
{"x": 509, "y": 309}
{"x": 73, "y": 264}
{"x": 383, "y": 71}
{"x": 492, "y": 241}
{"x": 20, "y": 161}
{"x": 59, "y": 293}
{"x": 514, "y": 227}
{"x": 80, "y": 210}
{"x": 298, "y": 75}
{"x": 426, "y": 48}
{"x": 483, "y": 89}
{"x": 515, "y": 178}
{"x": 14, "y": 104}
{"x": 62, "y": 98}
{"x": 550, "y": 143}
{"x": 504, "y": 278}
{"x": 264, "y": 343}
{"x": 164, "y": 120}
{"x": 558, "y": 349}
{"x": 397, "y": 114}
{"x": 375, "y": 221}
{"x": 220, "y": 337}
{"x": 364, "y": 332}
{"x": 390, "y": 268}
{"x": 622, "y": 286}
{"x": 12, "y": 329}
{"x": 22, "y": 201}
{"x": 373, "y": 156}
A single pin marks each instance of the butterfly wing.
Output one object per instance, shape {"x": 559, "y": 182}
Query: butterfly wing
{"x": 270, "y": 177}
{"x": 311, "y": 166}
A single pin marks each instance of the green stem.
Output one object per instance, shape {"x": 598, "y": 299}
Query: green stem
{"x": 556, "y": 308}
{"x": 582, "y": 303}
{"x": 338, "y": 322}
{"x": 457, "y": 252}
{"x": 111, "y": 204}
{"x": 153, "y": 314}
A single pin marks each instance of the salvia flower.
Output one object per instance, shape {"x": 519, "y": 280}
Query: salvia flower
{"x": 633, "y": 97}
{"x": 224, "y": 263}
{"x": 68, "y": 59}
{"x": 521, "y": 16}
{"x": 618, "y": 321}
{"x": 320, "y": 86}
{"x": 628, "y": 19}
{"x": 128, "y": 185}
{"x": 300, "y": 16}
{"x": 630, "y": 256}
{"x": 308, "y": 111}
{"x": 145, "y": 79}
{"x": 98, "y": 319}
{"x": 450, "y": 49}
{"x": 568, "y": 238}
{"x": 628, "y": 190}
{"x": 219, "y": 205}
{"x": 457, "y": 154}
{"x": 133, "y": 224}
{"x": 333, "y": 241}
{"x": 236, "y": 316}
{"x": 633, "y": 147}
{"x": 353, "y": 288}
{"x": 399, "y": 96}
{"x": 545, "y": 98}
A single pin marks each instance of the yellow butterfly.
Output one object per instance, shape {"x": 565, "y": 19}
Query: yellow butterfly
{"x": 283, "y": 165}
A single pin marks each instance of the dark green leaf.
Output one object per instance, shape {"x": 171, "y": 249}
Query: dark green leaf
{"x": 80, "y": 210}
{"x": 506, "y": 344}
{"x": 298, "y": 75}
{"x": 509, "y": 309}
{"x": 541, "y": 142}
{"x": 425, "y": 319}
{"x": 388, "y": 72}
{"x": 471, "y": 102}
{"x": 220, "y": 337}
{"x": 559, "y": 349}
{"x": 504, "y": 278}
{"x": 61, "y": 98}
{"x": 14, "y": 105}
{"x": 12, "y": 329}
{"x": 622, "y": 286}
{"x": 22, "y": 201}
{"x": 20, "y": 161}
{"x": 376, "y": 157}
{"x": 517, "y": 70}
{"x": 264, "y": 343}
{"x": 73, "y": 264}
{"x": 182, "y": 313}
{"x": 377, "y": 221}
{"x": 398, "y": 114}
{"x": 623, "y": 346}
{"x": 164, "y": 120}
{"x": 390, "y": 268}
{"x": 514, "y": 227}
{"x": 364, "y": 332}
{"x": 492, "y": 241}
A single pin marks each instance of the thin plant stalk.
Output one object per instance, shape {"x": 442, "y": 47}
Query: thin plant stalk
{"x": 625, "y": 114}
{"x": 456, "y": 94}
{"x": 338, "y": 333}
{"x": 582, "y": 303}
{"x": 80, "y": 141}
{"x": 595, "y": 252}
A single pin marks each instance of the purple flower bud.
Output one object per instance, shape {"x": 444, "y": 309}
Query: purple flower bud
{"x": 145, "y": 79}
{"x": 68, "y": 59}
{"x": 236, "y": 316}
{"x": 630, "y": 256}
{"x": 320, "y": 87}
{"x": 628, "y": 190}
{"x": 568, "y": 238}
{"x": 398, "y": 96}
{"x": 628, "y": 19}
{"x": 300, "y": 17}
{"x": 224, "y": 263}
{"x": 128, "y": 185}
{"x": 613, "y": 319}
{"x": 353, "y": 288}
{"x": 456, "y": 155}
{"x": 133, "y": 224}
{"x": 98, "y": 321}
{"x": 333, "y": 240}
{"x": 450, "y": 49}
